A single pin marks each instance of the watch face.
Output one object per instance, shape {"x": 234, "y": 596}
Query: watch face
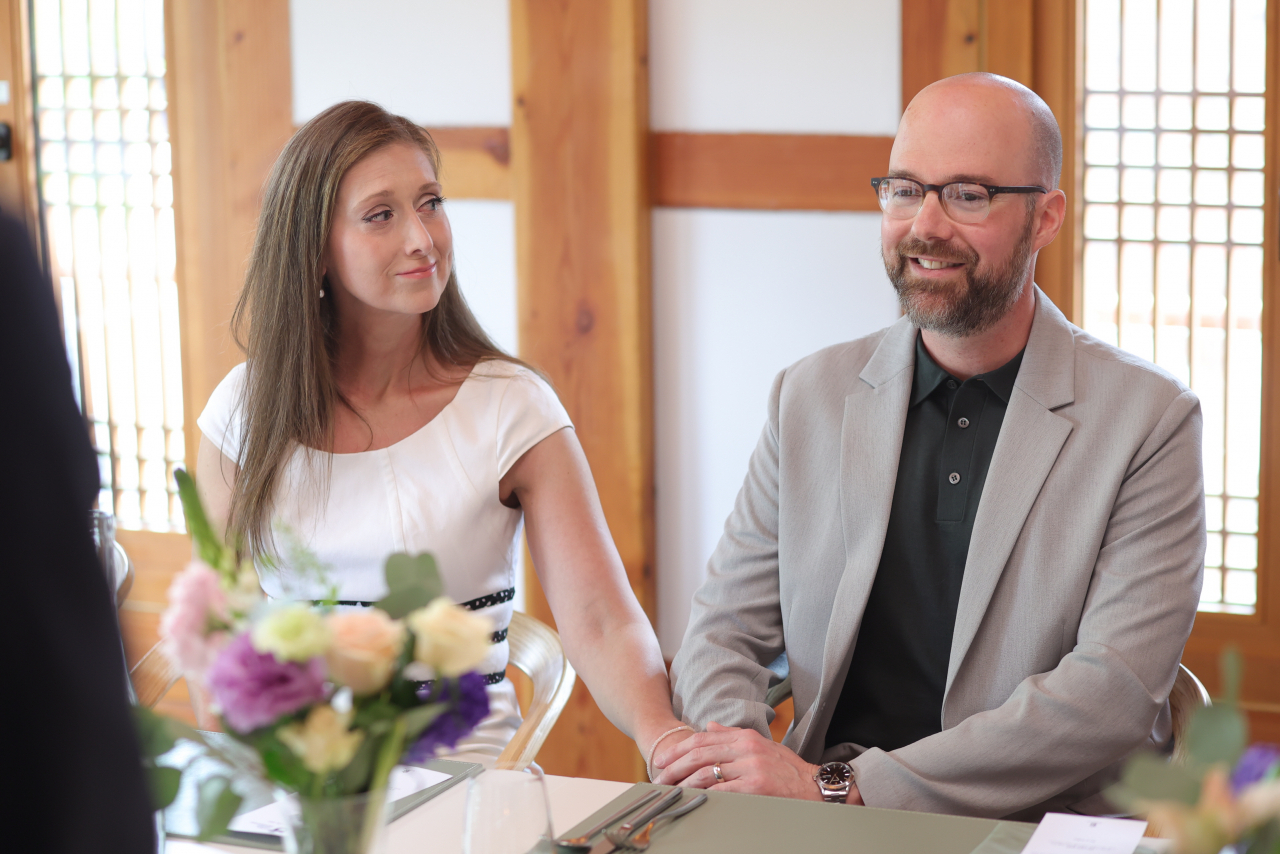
{"x": 835, "y": 774}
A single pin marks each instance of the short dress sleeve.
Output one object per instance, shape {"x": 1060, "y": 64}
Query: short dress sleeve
{"x": 529, "y": 412}
{"x": 221, "y": 421}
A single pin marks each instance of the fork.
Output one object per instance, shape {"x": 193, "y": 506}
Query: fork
{"x": 640, "y": 841}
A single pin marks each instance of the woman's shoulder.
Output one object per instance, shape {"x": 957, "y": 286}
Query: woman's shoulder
{"x": 221, "y": 417}
{"x": 510, "y": 382}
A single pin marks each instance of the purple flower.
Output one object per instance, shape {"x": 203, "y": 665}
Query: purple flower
{"x": 1255, "y": 765}
{"x": 253, "y": 689}
{"x": 468, "y": 705}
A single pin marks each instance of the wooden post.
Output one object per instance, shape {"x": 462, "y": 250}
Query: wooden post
{"x": 578, "y": 173}
{"x": 231, "y": 113}
{"x": 18, "y": 173}
{"x": 1056, "y": 77}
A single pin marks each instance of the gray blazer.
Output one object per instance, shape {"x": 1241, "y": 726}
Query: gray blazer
{"x": 1079, "y": 591}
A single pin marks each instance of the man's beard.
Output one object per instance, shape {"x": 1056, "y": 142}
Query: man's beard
{"x": 988, "y": 297}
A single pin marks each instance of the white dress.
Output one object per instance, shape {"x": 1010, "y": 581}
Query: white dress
{"x": 434, "y": 491}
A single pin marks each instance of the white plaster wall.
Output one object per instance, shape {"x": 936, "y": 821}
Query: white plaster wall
{"x": 484, "y": 251}
{"x": 739, "y": 295}
{"x": 803, "y": 66}
{"x": 439, "y": 62}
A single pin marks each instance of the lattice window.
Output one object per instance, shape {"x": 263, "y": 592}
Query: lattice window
{"x": 107, "y": 199}
{"x": 1173, "y": 186}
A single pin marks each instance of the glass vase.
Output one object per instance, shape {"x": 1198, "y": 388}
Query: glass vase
{"x": 352, "y": 824}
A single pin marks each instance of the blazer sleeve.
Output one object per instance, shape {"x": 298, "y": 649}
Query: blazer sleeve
{"x": 1100, "y": 702}
{"x": 736, "y": 620}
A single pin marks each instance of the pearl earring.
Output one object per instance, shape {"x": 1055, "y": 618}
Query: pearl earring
{"x": 322, "y": 293}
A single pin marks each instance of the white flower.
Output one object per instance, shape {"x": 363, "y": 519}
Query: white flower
{"x": 449, "y": 639}
{"x": 292, "y": 632}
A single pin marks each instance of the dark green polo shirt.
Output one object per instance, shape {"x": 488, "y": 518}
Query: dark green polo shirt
{"x": 892, "y": 695}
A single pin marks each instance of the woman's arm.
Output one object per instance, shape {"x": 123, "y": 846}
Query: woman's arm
{"x": 605, "y": 633}
{"x": 215, "y": 476}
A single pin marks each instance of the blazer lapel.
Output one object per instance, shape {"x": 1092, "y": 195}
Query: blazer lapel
{"x": 870, "y": 443}
{"x": 1030, "y": 439}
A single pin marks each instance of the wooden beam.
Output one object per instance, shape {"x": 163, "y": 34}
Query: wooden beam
{"x": 945, "y": 37}
{"x": 578, "y": 137}
{"x": 231, "y": 106}
{"x": 1007, "y": 37}
{"x": 939, "y": 38}
{"x": 18, "y": 173}
{"x": 767, "y": 171}
{"x": 1056, "y": 78}
{"x": 475, "y": 162}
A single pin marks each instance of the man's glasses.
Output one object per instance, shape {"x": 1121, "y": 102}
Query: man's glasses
{"x": 901, "y": 198}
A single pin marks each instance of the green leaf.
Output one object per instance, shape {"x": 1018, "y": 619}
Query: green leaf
{"x": 281, "y": 763}
{"x": 355, "y": 777}
{"x": 155, "y": 735}
{"x": 1152, "y": 778}
{"x": 1231, "y": 669}
{"x": 1217, "y": 734}
{"x": 208, "y": 545}
{"x": 399, "y": 603}
{"x": 414, "y": 571}
{"x": 216, "y": 807}
{"x": 163, "y": 782}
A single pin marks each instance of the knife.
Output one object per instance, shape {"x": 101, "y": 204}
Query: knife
{"x": 607, "y": 845}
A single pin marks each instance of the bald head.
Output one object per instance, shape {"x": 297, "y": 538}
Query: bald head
{"x": 988, "y": 119}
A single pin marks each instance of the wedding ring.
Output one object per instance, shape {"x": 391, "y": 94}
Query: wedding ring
{"x": 715, "y": 769}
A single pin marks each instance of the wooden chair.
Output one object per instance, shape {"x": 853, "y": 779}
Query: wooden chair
{"x": 1188, "y": 694}
{"x": 536, "y": 652}
{"x": 153, "y": 676}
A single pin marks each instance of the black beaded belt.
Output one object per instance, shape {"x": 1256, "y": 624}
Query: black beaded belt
{"x": 489, "y": 679}
{"x": 472, "y": 605}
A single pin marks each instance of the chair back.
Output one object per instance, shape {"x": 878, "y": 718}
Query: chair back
{"x": 1188, "y": 694}
{"x": 536, "y": 651}
{"x": 153, "y": 676}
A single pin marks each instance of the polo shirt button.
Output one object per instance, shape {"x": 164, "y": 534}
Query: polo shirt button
{"x": 963, "y": 422}
{"x": 951, "y": 383}
{"x": 954, "y": 477}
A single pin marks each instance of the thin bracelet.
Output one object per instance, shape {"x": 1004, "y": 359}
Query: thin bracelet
{"x": 648, "y": 765}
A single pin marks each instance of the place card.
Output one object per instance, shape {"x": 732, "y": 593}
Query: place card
{"x": 404, "y": 781}
{"x": 1062, "y": 833}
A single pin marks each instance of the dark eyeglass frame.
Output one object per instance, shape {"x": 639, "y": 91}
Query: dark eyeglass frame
{"x": 992, "y": 191}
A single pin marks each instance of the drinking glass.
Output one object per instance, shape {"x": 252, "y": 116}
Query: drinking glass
{"x": 507, "y": 813}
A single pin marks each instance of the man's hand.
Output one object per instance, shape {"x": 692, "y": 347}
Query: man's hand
{"x": 748, "y": 761}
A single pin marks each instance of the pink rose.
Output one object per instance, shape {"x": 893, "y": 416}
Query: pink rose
{"x": 363, "y": 650}
{"x": 194, "y": 626}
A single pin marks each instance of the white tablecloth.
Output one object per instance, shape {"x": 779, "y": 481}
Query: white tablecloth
{"x": 436, "y": 826}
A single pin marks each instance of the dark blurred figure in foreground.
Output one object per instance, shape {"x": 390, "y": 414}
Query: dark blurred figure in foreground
{"x": 68, "y": 752}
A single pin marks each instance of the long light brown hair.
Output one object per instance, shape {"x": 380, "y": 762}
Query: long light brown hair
{"x": 285, "y": 327}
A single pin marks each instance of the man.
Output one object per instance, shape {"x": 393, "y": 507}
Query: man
{"x": 977, "y": 535}
{"x": 69, "y": 752}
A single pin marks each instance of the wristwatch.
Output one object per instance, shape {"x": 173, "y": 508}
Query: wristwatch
{"x": 835, "y": 779}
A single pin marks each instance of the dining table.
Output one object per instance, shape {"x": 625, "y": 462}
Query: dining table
{"x": 727, "y": 823}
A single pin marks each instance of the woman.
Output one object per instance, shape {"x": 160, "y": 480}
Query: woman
{"x": 374, "y": 415}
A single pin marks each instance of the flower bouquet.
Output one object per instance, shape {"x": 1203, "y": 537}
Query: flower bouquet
{"x": 1226, "y": 797}
{"x": 326, "y": 702}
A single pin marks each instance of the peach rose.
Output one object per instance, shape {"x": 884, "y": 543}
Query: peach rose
{"x": 363, "y": 650}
